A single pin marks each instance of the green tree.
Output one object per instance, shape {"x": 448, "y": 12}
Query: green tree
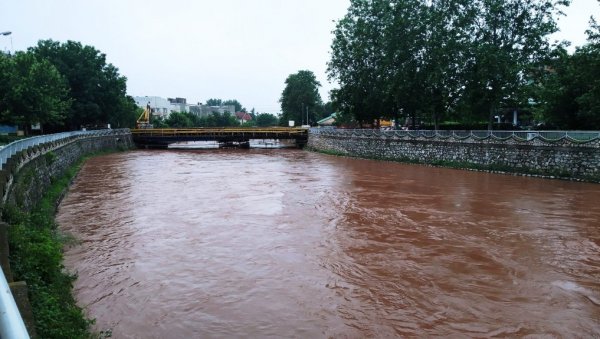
{"x": 266, "y": 120}
{"x": 179, "y": 120}
{"x": 357, "y": 60}
{"x": 569, "y": 94}
{"x": 217, "y": 119}
{"x": 32, "y": 91}
{"x": 214, "y": 102}
{"x": 509, "y": 39}
{"x": 447, "y": 31}
{"x": 237, "y": 104}
{"x": 157, "y": 121}
{"x": 421, "y": 58}
{"x": 301, "y": 95}
{"x": 125, "y": 113}
{"x": 97, "y": 89}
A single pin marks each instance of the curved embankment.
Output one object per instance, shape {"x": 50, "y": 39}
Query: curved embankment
{"x": 31, "y": 185}
{"x": 564, "y": 158}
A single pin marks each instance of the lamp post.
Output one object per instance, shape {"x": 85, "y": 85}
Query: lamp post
{"x": 6, "y": 34}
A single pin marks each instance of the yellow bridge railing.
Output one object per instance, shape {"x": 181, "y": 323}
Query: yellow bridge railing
{"x": 200, "y": 131}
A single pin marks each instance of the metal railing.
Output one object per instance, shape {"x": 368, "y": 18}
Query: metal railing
{"x": 16, "y": 146}
{"x": 11, "y": 323}
{"x": 550, "y": 136}
{"x": 217, "y": 131}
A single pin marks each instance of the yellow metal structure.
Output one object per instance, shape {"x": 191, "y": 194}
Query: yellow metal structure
{"x": 241, "y": 136}
{"x": 144, "y": 120}
{"x": 199, "y": 131}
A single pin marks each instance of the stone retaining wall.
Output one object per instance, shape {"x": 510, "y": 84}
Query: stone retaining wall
{"x": 563, "y": 158}
{"x": 28, "y": 174}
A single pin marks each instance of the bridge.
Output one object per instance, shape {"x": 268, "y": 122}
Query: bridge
{"x": 229, "y": 136}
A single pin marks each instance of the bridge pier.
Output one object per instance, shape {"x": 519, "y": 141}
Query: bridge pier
{"x": 234, "y": 144}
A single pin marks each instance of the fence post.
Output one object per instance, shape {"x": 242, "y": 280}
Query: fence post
{"x": 11, "y": 323}
{"x": 21, "y": 295}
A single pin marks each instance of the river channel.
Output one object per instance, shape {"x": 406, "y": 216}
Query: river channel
{"x": 288, "y": 243}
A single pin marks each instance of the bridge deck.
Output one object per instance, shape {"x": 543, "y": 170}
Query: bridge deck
{"x": 161, "y": 137}
{"x": 283, "y": 131}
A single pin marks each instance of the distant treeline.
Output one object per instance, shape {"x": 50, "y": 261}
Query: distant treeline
{"x": 216, "y": 119}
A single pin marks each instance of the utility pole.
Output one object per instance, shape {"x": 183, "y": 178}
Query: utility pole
{"x": 302, "y": 115}
{"x": 307, "y": 116}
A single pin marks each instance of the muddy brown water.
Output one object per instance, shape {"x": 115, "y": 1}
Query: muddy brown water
{"x": 287, "y": 243}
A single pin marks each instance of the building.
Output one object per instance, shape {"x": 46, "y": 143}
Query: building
{"x": 243, "y": 117}
{"x": 327, "y": 121}
{"x": 179, "y": 105}
{"x": 204, "y": 110}
{"x": 163, "y": 107}
{"x": 8, "y": 129}
{"x": 160, "y": 106}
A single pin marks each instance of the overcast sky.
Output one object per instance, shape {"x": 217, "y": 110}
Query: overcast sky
{"x": 228, "y": 49}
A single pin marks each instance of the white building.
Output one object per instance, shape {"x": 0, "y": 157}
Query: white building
{"x": 160, "y": 106}
{"x": 164, "y": 106}
{"x": 204, "y": 110}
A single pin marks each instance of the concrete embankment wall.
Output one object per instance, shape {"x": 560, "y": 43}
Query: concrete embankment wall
{"x": 27, "y": 175}
{"x": 563, "y": 158}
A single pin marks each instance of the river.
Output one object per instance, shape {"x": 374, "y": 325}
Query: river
{"x": 288, "y": 243}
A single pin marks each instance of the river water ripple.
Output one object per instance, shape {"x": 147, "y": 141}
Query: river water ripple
{"x": 287, "y": 243}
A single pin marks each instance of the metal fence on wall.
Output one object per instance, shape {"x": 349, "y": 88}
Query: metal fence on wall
{"x": 550, "y": 136}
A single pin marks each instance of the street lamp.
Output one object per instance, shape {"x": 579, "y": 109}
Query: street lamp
{"x": 8, "y": 33}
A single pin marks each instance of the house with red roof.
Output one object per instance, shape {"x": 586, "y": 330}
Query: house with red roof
{"x": 243, "y": 117}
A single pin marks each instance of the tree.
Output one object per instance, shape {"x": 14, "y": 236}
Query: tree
{"x": 447, "y": 32}
{"x": 301, "y": 95}
{"x": 417, "y": 58}
{"x": 510, "y": 37}
{"x": 358, "y": 60}
{"x": 179, "y": 120}
{"x": 97, "y": 89}
{"x": 214, "y": 102}
{"x": 569, "y": 93}
{"x": 158, "y": 121}
{"x": 124, "y": 113}
{"x": 234, "y": 102}
{"x": 266, "y": 119}
{"x": 32, "y": 91}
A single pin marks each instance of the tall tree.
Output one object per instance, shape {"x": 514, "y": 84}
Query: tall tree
{"x": 97, "y": 89}
{"x": 447, "y": 37}
{"x": 234, "y": 102}
{"x": 266, "y": 119}
{"x": 416, "y": 58}
{"x": 358, "y": 60}
{"x": 405, "y": 46}
{"x": 214, "y": 102}
{"x": 510, "y": 37}
{"x": 569, "y": 95}
{"x": 179, "y": 120}
{"x": 32, "y": 91}
{"x": 300, "y": 98}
